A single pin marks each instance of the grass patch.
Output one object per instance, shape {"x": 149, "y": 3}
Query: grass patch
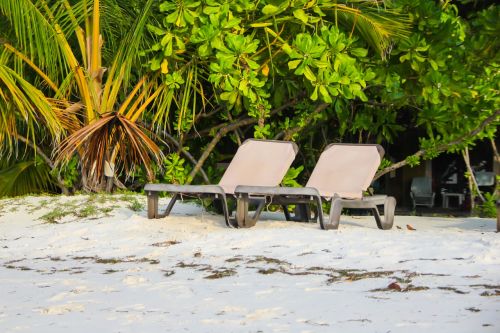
{"x": 135, "y": 205}
{"x": 55, "y": 215}
{"x": 89, "y": 208}
{"x": 87, "y": 211}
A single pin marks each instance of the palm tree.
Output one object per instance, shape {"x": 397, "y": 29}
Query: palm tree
{"x": 70, "y": 81}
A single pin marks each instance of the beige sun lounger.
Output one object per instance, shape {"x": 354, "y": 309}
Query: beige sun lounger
{"x": 342, "y": 173}
{"x": 256, "y": 163}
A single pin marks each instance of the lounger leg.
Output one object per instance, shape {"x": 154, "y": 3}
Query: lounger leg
{"x": 170, "y": 205}
{"x": 377, "y": 217}
{"x": 388, "y": 220}
{"x": 152, "y": 205}
{"x": 225, "y": 210}
{"x": 242, "y": 210}
{"x": 302, "y": 213}
{"x": 319, "y": 212}
{"x": 335, "y": 212}
{"x": 243, "y": 219}
{"x": 389, "y": 208}
{"x": 288, "y": 217}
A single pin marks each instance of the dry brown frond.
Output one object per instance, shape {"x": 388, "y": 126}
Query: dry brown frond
{"x": 111, "y": 138}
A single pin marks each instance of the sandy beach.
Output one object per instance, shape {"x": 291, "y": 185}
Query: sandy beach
{"x": 96, "y": 263}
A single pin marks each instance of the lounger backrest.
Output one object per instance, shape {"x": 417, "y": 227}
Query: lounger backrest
{"x": 346, "y": 170}
{"x": 259, "y": 163}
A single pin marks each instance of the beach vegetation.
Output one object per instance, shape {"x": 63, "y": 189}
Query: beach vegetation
{"x": 97, "y": 95}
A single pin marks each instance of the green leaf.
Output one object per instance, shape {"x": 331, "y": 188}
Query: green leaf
{"x": 359, "y": 52}
{"x": 270, "y": 10}
{"x": 204, "y": 50}
{"x": 308, "y": 73}
{"x": 293, "y": 64}
{"x": 252, "y": 64}
{"x": 166, "y": 39}
{"x": 324, "y": 94}
{"x": 314, "y": 95}
{"x": 434, "y": 64}
{"x": 155, "y": 64}
{"x": 229, "y": 96}
{"x": 405, "y": 57}
{"x": 156, "y": 30}
{"x": 301, "y": 15}
{"x": 287, "y": 48}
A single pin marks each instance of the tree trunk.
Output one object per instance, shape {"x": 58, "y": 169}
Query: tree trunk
{"x": 473, "y": 186}
{"x": 496, "y": 165}
{"x": 465, "y": 155}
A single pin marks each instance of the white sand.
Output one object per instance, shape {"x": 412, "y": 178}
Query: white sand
{"x": 189, "y": 273}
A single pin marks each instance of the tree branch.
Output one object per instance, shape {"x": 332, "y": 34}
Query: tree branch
{"x": 187, "y": 154}
{"x": 220, "y": 134}
{"x": 273, "y": 112}
{"x": 223, "y": 130}
{"x": 472, "y": 179}
{"x": 289, "y": 133}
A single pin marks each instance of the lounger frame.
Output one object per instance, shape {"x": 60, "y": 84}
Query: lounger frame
{"x": 200, "y": 191}
{"x": 303, "y": 197}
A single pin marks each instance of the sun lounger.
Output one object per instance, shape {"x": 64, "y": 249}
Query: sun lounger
{"x": 256, "y": 163}
{"x": 342, "y": 173}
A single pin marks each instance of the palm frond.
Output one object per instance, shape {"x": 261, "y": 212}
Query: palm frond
{"x": 377, "y": 25}
{"x": 121, "y": 68}
{"x": 25, "y": 177}
{"x": 35, "y": 34}
{"x": 33, "y": 107}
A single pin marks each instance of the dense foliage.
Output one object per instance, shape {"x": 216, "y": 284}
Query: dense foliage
{"x": 204, "y": 75}
{"x": 308, "y": 71}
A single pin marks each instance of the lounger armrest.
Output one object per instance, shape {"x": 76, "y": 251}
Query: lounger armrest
{"x": 192, "y": 189}
{"x": 275, "y": 190}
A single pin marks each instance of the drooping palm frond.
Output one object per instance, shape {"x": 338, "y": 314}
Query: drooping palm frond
{"x": 30, "y": 103}
{"x": 40, "y": 38}
{"x": 116, "y": 23}
{"x": 36, "y": 35}
{"x": 122, "y": 66}
{"x": 377, "y": 24}
{"x": 68, "y": 113}
{"x": 111, "y": 138}
{"x": 25, "y": 177}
